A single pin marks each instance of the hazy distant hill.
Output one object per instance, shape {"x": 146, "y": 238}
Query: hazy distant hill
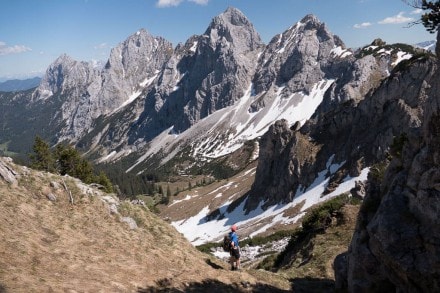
{"x": 428, "y": 45}
{"x": 14, "y": 85}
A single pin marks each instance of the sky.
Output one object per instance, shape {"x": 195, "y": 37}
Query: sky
{"x": 33, "y": 33}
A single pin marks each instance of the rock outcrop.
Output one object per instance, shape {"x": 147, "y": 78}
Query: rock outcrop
{"x": 396, "y": 245}
{"x": 6, "y": 172}
{"x": 208, "y": 73}
{"x": 88, "y": 92}
{"x": 210, "y": 96}
{"x": 354, "y": 135}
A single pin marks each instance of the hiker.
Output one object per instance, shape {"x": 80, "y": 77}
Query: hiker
{"x": 235, "y": 249}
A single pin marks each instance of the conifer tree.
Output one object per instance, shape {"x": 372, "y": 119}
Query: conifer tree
{"x": 42, "y": 158}
{"x": 104, "y": 181}
{"x": 65, "y": 159}
{"x": 431, "y": 18}
{"x": 168, "y": 191}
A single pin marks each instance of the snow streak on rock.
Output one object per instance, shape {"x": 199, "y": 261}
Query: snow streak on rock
{"x": 198, "y": 229}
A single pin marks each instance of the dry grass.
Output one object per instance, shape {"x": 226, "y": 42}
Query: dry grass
{"x": 324, "y": 248}
{"x": 59, "y": 247}
{"x": 213, "y": 195}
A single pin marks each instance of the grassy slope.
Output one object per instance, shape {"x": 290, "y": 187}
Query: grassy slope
{"x": 310, "y": 268}
{"x": 56, "y": 246}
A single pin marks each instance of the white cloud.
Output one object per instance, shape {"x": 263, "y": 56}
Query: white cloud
{"x": 417, "y": 11}
{"x": 396, "y": 19}
{"x": 170, "y": 3}
{"x": 101, "y": 46}
{"x": 6, "y": 50}
{"x": 200, "y": 2}
{"x": 362, "y": 25}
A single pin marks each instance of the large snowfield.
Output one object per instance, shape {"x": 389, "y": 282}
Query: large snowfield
{"x": 198, "y": 230}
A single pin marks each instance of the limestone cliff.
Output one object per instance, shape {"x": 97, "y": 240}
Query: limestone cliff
{"x": 396, "y": 245}
{"x": 354, "y": 135}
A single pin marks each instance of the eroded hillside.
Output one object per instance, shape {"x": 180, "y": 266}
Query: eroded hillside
{"x": 97, "y": 243}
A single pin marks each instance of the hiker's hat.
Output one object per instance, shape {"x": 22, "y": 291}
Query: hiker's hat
{"x": 234, "y": 228}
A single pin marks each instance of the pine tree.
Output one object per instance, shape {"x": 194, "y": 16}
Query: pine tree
{"x": 42, "y": 158}
{"x": 104, "y": 181}
{"x": 65, "y": 159}
{"x": 431, "y": 18}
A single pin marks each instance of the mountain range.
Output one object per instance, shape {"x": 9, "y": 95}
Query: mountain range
{"x": 183, "y": 110}
{"x": 14, "y": 85}
{"x": 300, "y": 120}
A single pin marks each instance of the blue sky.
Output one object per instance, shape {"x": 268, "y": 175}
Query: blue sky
{"x": 33, "y": 33}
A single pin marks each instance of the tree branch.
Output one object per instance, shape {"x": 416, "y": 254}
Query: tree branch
{"x": 70, "y": 193}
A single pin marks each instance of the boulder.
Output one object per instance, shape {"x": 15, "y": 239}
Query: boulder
{"x": 6, "y": 172}
{"x": 130, "y": 221}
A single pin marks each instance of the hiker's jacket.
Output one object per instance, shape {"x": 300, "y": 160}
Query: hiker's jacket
{"x": 234, "y": 238}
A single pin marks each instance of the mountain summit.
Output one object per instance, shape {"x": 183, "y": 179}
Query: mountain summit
{"x": 216, "y": 94}
{"x": 89, "y": 93}
{"x": 235, "y": 28}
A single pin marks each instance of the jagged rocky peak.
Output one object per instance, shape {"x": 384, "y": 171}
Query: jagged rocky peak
{"x": 311, "y": 21}
{"x": 307, "y": 28}
{"x": 141, "y": 53}
{"x": 65, "y": 74}
{"x": 298, "y": 58}
{"x": 131, "y": 65}
{"x": 235, "y": 28}
{"x": 206, "y": 74}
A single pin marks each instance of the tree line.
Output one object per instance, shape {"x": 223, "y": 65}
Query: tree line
{"x": 65, "y": 159}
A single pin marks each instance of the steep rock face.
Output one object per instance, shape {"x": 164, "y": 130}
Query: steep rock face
{"x": 130, "y": 66}
{"x": 296, "y": 59}
{"x": 206, "y": 74}
{"x": 396, "y": 243}
{"x": 66, "y": 75}
{"x": 352, "y": 136}
{"x": 286, "y": 155}
{"x": 226, "y": 80}
{"x": 88, "y": 92}
{"x": 212, "y": 71}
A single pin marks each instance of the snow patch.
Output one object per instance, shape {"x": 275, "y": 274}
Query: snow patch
{"x": 136, "y": 94}
{"x": 371, "y": 47}
{"x": 194, "y": 46}
{"x": 341, "y": 53}
{"x": 109, "y": 156}
{"x": 296, "y": 107}
{"x": 242, "y": 124}
{"x": 148, "y": 81}
{"x": 294, "y": 33}
{"x": 400, "y": 57}
{"x": 384, "y": 52}
{"x": 188, "y": 197}
{"x": 44, "y": 94}
{"x": 199, "y": 230}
